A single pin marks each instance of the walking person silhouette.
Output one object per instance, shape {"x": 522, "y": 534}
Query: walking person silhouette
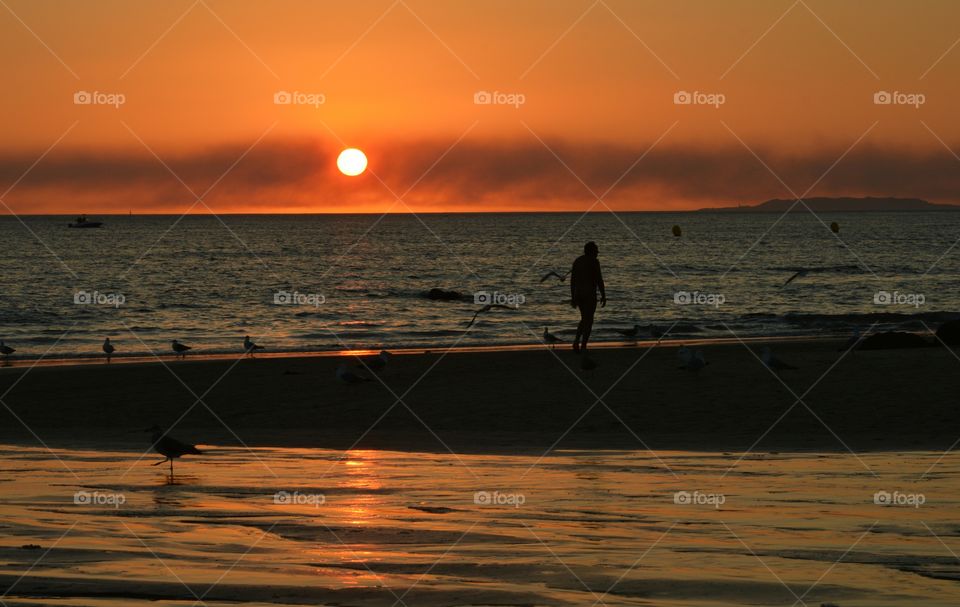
{"x": 585, "y": 280}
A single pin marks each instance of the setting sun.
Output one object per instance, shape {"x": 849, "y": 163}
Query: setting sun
{"x": 352, "y": 162}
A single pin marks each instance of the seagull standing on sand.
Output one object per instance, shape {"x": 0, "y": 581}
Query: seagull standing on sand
{"x": 108, "y": 348}
{"x": 550, "y": 338}
{"x": 378, "y": 362}
{"x": 348, "y": 376}
{"x": 170, "y": 447}
{"x": 772, "y": 362}
{"x": 691, "y": 360}
{"x": 179, "y": 348}
{"x": 5, "y": 349}
{"x": 249, "y": 347}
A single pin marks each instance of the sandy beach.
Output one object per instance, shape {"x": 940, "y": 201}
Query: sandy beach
{"x": 507, "y": 401}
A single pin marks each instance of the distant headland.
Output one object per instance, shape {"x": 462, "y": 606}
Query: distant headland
{"x": 842, "y": 204}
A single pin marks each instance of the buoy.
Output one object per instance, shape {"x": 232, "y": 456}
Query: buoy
{"x": 835, "y": 227}
{"x": 676, "y": 231}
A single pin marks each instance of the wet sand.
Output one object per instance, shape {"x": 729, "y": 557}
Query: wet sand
{"x": 387, "y": 528}
{"x": 506, "y": 402}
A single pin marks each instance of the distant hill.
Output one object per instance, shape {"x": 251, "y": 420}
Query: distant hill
{"x": 827, "y": 205}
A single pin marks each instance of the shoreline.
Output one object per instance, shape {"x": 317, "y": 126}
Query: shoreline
{"x": 508, "y": 401}
{"x": 16, "y": 362}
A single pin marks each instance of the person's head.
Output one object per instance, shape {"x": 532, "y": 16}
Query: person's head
{"x": 591, "y": 249}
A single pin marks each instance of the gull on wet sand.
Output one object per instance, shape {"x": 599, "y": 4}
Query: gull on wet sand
{"x": 179, "y": 349}
{"x": 550, "y": 338}
{"x": 249, "y": 347}
{"x": 108, "y": 348}
{"x": 6, "y": 350}
{"x": 170, "y": 447}
{"x": 378, "y": 362}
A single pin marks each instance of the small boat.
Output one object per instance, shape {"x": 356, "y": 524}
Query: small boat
{"x": 82, "y": 222}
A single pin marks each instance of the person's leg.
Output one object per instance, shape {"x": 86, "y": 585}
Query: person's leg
{"x": 576, "y": 338}
{"x": 587, "y": 310}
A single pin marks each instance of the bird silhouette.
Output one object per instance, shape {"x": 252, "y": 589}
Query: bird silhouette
{"x": 170, "y": 447}
{"x": 550, "y": 338}
{"x": 108, "y": 348}
{"x": 249, "y": 347}
{"x": 5, "y": 349}
{"x": 553, "y": 274}
{"x": 378, "y": 362}
{"x": 798, "y": 274}
{"x": 487, "y": 308}
{"x": 179, "y": 348}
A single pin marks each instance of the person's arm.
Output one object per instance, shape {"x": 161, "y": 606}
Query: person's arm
{"x": 603, "y": 291}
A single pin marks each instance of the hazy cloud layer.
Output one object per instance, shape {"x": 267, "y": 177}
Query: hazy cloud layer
{"x": 477, "y": 175}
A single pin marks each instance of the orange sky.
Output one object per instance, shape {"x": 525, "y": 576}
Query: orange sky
{"x": 398, "y": 79}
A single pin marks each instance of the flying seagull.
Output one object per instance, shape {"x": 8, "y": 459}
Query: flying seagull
{"x": 249, "y": 347}
{"x": 798, "y": 274}
{"x": 170, "y": 447}
{"x": 691, "y": 360}
{"x": 179, "y": 348}
{"x": 487, "y": 308}
{"x": 108, "y": 348}
{"x": 5, "y": 349}
{"x": 772, "y": 362}
{"x": 550, "y": 338}
{"x": 348, "y": 376}
{"x": 555, "y": 275}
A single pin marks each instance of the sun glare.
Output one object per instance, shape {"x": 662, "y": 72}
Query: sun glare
{"x": 352, "y": 162}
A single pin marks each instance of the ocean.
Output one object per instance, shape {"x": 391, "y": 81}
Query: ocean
{"x": 333, "y": 282}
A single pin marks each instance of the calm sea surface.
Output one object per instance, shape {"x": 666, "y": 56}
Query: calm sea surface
{"x": 359, "y": 281}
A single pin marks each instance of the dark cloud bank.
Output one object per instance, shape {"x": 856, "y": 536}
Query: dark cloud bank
{"x": 508, "y": 174}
